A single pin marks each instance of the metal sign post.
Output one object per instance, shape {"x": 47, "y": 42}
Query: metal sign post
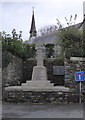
{"x": 79, "y": 76}
{"x": 80, "y": 92}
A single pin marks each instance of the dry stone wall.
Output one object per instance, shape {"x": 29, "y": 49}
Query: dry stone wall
{"x": 72, "y": 66}
{"x": 41, "y": 97}
{"x": 12, "y": 74}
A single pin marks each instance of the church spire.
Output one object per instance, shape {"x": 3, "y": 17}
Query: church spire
{"x": 33, "y": 31}
{"x": 33, "y": 10}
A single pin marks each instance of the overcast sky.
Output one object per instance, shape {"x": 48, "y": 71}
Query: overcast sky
{"x": 18, "y": 14}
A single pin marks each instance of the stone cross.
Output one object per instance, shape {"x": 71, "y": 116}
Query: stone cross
{"x": 40, "y": 54}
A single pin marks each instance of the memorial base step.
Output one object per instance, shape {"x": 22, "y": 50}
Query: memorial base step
{"x": 37, "y": 88}
{"x": 43, "y": 85}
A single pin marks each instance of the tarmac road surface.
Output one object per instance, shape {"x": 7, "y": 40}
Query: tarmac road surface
{"x": 42, "y": 110}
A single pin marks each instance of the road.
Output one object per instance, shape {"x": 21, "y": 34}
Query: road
{"x": 42, "y": 110}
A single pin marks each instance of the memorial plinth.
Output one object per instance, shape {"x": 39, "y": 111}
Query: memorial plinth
{"x": 39, "y": 73}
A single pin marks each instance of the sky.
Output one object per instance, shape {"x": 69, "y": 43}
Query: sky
{"x": 17, "y": 14}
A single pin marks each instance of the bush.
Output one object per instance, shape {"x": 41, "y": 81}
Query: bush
{"x": 19, "y": 48}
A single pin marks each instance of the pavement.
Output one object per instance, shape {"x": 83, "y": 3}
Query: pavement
{"x": 42, "y": 110}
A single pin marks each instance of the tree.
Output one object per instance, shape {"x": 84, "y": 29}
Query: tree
{"x": 69, "y": 22}
{"x": 14, "y": 34}
{"x": 71, "y": 39}
{"x": 3, "y": 34}
{"x": 47, "y": 30}
{"x": 20, "y": 35}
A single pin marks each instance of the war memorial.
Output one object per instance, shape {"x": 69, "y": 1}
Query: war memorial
{"x": 41, "y": 88}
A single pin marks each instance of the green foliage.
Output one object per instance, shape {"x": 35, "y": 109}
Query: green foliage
{"x": 49, "y": 50}
{"x": 17, "y": 47}
{"x": 71, "y": 41}
{"x": 59, "y": 57}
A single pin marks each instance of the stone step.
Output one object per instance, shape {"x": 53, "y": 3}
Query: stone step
{"x": 13, "y": 88}
{"x": 36, "y": 89}
{"x": 42, "y": 85}
{"x": 37, "y": 85}
{"x": 43, "y": 88}
{"x": 60, "y": 88}
{"x": 38, "y": 81}
{"x": 52, "y": 88}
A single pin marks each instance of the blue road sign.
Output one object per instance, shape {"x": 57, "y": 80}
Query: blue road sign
{"x": 79, "y": 76}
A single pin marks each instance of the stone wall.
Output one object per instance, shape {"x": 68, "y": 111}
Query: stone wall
{"x": 12, "y": 74}
{"x": 71, "y": 66}
{"x": 41, "y": 97}
{"x": 19, "y": 70}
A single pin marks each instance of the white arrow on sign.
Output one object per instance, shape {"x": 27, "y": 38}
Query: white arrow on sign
{"x": 79, "y": 77}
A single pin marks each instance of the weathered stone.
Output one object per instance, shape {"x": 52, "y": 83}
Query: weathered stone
{"x": 77, "y": 59}
{"x": 12, "y": 74}
{"x": 39, "y": 73}
{"x": 73, "y": 65}
{"x": 41, "y": 97}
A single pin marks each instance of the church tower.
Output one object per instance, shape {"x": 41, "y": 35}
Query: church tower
{"x": 33, "y": 31}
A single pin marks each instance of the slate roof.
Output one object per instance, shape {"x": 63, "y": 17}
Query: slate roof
{"x": 49, "y": 38}
{"x": 52, "y": 37}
